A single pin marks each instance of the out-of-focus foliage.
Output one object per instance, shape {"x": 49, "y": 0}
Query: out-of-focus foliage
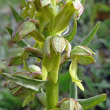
{"x": 96, "y": 78}
{"x": 7, "y": 100}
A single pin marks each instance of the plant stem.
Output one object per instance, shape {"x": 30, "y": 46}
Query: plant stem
{"x": 73, "y": 90}
{"x": 52, "y": 93}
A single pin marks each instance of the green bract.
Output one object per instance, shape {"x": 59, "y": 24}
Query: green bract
{"x": 22, "y": 30}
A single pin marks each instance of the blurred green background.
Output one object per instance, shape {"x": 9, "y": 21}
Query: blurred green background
{"x": 96, "y": 77}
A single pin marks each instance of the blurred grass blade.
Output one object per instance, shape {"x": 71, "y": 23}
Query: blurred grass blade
{"x": 91, "y": 102}
{"x": 88, "y": 39}
{"x": 10, "y": 31}
{"x": 33, "y": 84}
{"x": 15, "y": 14}
{"x": 71, "y": 36}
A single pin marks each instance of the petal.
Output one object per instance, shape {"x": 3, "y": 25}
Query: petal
{"x": 73, "y": 72}
{"x": 46, "y": 47}
{"x": 73, "y": 69}
{"x": 79, "y": 7}
{"x": 68, "y": 48}
{"x": 59, "y": 44}
{"x": 80, "y": 50}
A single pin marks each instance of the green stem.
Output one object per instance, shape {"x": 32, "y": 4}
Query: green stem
{"x": 73, "y": 90}
{"x": 52, "y": 93}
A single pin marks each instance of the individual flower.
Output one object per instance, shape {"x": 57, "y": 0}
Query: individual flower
{"x": 81, "y": 55}
{"x": 53, "y": 47}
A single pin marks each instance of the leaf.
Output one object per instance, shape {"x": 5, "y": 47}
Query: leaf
{"x": 73, "y": 73}
{"x": 59, "y": 44}
{"x": 28, "y": 99}
{"x": 15, "y": 14}
{"x": 22, "y": 4}
{"x": 33, "y": 84}
{"x": 22, "y": 92}
{"x": 41, "y": 23}
{"x": 15, "y": 61}
{"x": 25, "y": 64}
{"x": 80, "y": 50}
{"x": 91, "y": 102}
{"x": 25, "y": 28}
{"x": 63, "y": 18}
{"x": 22, "y": 29}
{"x": 32, "y": 10}
{"x": 47, "y": 13}
{"x": 86, "y": 60}
{"x": 71, "y": 36}
{"x": 24, "y": 12}
{"x": 88, "y": 39}
{"x": 16, "y": 52}
{"x": 21, "y": 43}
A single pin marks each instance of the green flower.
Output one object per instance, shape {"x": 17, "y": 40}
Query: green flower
{"x": 81, "y": 55}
